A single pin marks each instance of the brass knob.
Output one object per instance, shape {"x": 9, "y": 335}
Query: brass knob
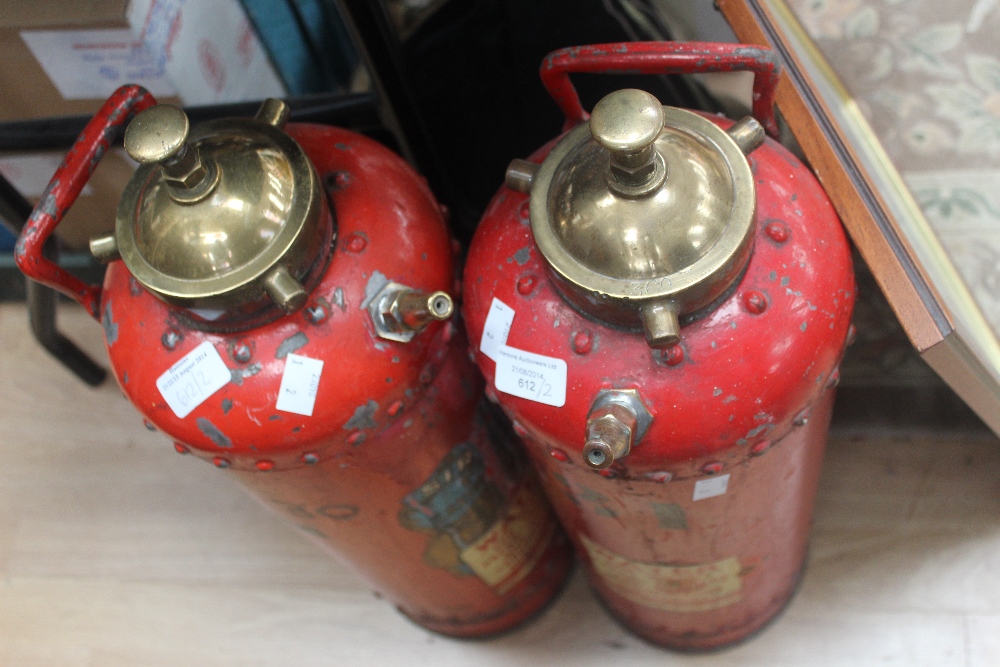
{"x": 159, "y": 135}
{"x": 627, "y": 123}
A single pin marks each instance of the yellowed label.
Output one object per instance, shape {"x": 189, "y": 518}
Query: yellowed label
{"x": 668, "y": 587}
{"x": 509, "y": 550}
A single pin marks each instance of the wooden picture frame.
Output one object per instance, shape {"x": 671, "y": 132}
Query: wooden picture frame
{"x": 932, "y": 302}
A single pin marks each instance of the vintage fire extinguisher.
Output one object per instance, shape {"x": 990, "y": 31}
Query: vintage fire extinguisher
{"x": 275, "y": 303}
{"x": 659, "y": 299}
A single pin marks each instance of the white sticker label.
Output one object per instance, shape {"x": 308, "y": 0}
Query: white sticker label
{"x": 198, "y": 375}
{"x": 711, "y": 487}
{"x": 299, "y": 384}
{"x": 531, "y": 376}
{"x": 496, "y": 329}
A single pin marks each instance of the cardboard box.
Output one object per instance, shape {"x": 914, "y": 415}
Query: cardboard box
{"x": 60, "y": 58}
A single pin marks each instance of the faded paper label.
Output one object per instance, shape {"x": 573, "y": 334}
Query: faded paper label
{"x": 509, "y": 551}
{"x": 680, "y": 588}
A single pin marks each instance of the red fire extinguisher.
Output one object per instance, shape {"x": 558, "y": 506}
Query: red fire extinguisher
{"x": 659, "y": 299}
{"x": 275, "y": 304}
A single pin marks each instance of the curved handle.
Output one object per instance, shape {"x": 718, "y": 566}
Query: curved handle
{"x": 65, "y": 187}
{"x": 661, "y": 58}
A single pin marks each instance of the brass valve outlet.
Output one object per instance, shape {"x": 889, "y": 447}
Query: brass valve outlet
{"x": 399, "y": 312}
{"x": 617, "y": 421}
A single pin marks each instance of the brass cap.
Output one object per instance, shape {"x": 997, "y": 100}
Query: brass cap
{"x": 226, "y": 215}
{"x": 644, "y": 214}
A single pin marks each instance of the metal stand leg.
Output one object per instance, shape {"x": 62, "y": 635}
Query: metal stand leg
{"x": 41, "y": 300}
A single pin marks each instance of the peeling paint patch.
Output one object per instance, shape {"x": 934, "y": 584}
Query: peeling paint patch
{"x": 785, "y": 281}
{"x": 227, "y": 405}
{"x": 754, "y": 432}
{"x": 380, "y": 346}
{"x": 109, "y": 324}
{"x": 237, "y": 375}
{"x": 373, "y": 287}
{"x": 522, "y": 256}
{"x": 338, "y": 299}
{"x": 773, "y": 276}
{"x": 804, "y": 326}
{"x": 291, "y": 344}
{"x": 125, "y": 377}
{"x": 729, "y": 399}
{"x": 213, "y": 433}
{"x": 274, "y": 418}
{"x": 364, "y": 416}
{"x": 717, "y": 392}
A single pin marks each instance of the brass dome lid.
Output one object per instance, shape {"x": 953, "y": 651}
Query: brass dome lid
{"x": 646, "y": 213}
{"x": 227, "y": 215}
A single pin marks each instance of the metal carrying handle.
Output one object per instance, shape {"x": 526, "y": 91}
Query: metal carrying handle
{"x": 661, "y": 58}
{"x": 65, "y": 187}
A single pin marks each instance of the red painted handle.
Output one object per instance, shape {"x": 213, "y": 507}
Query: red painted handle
{"x": 661, "y": 58}
{"x": 65, "y": 187}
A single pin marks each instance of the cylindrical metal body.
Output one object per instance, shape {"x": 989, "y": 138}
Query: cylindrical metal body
{"x": 696, "y": 536}
{"x": 377, "y": 447}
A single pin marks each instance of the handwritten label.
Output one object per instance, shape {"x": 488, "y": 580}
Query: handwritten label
{"x": 299, "y": 384}
{"x": 496, "y": 329}
{"x": 189, "y": 382}
{"x": 709, "y": 488}
{"x": 531, "y": 376}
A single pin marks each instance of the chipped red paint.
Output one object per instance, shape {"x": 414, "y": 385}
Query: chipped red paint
{"x": 387, "y": 415}
{"x": 65, "y": 187}
{"x": 727, "y": 406}
{"x": 661, "y": 58}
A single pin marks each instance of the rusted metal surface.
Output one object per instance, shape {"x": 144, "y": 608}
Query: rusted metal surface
{"x": 697, "y": 537}
{"x": 397, "y": 470}
{"x": 652, "y": 58}
{"x": 65, "y": 187}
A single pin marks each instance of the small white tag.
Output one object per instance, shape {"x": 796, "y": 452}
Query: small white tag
{"x": 531, "y": 376}
{"x": 299, "y": 384}
{"x": 188, "y": 383}
{"x": 711, "y": 487}
{"x": 496, "y": 329}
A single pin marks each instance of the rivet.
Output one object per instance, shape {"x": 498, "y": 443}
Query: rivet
{"x": 310, "y": 459}
{"x": 264, "y": 465}
{"x": 525, "y": 285}
{"x": 242, "y": 353}
{"x": 356, "y": 438}
{"x": 834, "y": 379}
{"x": 754, "y": 302}
{"x": 672, "y": 356}
{"x": 582, "y": 342}
{"x": 802, "y": 418}
{"x": 760, "y": 448}
{"x": 316, "y": 314}
{"x": 525, "y": 211}
{"x": 713, "y": 468}
{"x": 395, "y": 408}
{"x": 341, "y": 179}
{"x": 661, "y": 476}
{"x": 519, "y": 430}
{"x": 221, "y": 462}
{"x": 777, "y": 231}
{"x": 149, "y": 425}
{"x": 356, "y": 243}
{"x": 181, "y": 449}
{"x": 852, "y": 335}
{"x": 170, "y": 338}
{"x": 559, "y": 455}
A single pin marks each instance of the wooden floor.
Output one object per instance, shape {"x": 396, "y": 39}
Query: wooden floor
{"x": 114, "y": 550}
